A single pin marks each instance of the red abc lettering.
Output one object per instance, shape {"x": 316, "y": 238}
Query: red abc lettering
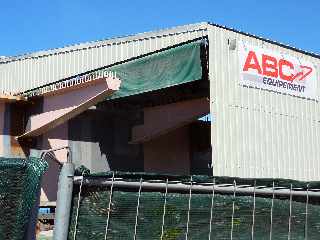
{"x": 269, "y": 66}
{"x": 288, "y": 64}
{"x": 252, "y": 63}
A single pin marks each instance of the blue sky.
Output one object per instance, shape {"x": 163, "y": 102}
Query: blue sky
{"x": 32, "y": 25}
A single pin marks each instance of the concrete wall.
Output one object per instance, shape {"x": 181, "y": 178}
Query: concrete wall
{"x": 100, "y": 140}
{"x": 84, "y": 143}
{"x": 55, "y": 138}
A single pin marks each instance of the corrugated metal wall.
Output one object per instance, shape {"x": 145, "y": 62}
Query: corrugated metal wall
{"x": 39, "y": 69}
{"x": 255, "y": 133}
{"x": 259, "y": 133}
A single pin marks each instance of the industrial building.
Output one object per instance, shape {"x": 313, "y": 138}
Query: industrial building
{"x": 193, "y": 99}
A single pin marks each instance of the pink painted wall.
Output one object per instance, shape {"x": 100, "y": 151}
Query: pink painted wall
{"x": 55, "y": 138}
{"x": 169, "y": 153}
{"x": 2, "y": 109}
{"x": 59, "y": 103}
{"x": 63, "y": 106}
{"x": 165, "y": 135}
{"x": 165, "y": 118}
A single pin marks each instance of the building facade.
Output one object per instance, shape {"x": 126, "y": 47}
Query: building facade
{"x": 135, "y": 104}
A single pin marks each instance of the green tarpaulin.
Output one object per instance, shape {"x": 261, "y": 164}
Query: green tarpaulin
{"x": 164, "y": 69}
{"x": 230, "y": 217}
{"x": 19, "y": 186}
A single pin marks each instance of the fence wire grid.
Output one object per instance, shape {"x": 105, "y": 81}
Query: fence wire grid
{"x": 117, "y": 205}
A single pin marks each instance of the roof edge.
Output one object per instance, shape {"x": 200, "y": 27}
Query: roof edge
{"x": 312, "y": 54}
{"x": 112, "y": 40}
{"x": 146, "y": 35}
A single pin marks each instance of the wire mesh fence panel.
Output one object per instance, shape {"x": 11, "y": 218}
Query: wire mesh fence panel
{"x": 123, "y": 215}
{"x": 151, "y": 207}
{"x": 242, "y": 219}
{"x": 11, "y": 190}
{"x": 222, "y": 212}
{"x": 313, "y": 222}
{"x": 93, "y": 211}
{"x": 150, "y": 216}
{"x": 19, "y": 188}
{"x": 297, "y": 221}
{"x": 175, "y": 219}
{"x": 280, "y": 219}
{"x": 199, "y": 216}
{"x": 262, "y": 218}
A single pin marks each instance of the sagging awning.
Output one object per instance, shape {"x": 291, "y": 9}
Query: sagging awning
{"x": 160, "y": 70}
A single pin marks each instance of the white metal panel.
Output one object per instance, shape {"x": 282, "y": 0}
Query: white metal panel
{"x": 3, "y": 82}
{"x": 3, "y": 77}
{"x": 255, "y": 132}
{"x": 34, "y": 70}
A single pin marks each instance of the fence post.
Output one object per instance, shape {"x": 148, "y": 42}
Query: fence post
{"x": 64, "y": 199}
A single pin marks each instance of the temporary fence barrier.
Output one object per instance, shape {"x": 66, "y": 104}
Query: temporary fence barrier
{"x": 19, "y": 188}
{"x": 117, "y": 205}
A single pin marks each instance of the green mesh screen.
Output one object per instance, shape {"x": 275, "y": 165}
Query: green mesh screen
{"x": 94, "y": 202}
{"x": 19, "y": 186}
{"x": 160, "y": 70}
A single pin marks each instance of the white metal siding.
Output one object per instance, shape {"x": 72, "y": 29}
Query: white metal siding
{"x": 258, "y": 133}
{"x": 38, "y": 69}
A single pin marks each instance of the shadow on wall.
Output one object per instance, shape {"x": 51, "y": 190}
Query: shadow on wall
{"x": 55, "y": 138}
{"x": 49, "y": 184}
{"x": 100, "y": 140}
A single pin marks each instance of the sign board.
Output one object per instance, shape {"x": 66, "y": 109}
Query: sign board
{"x": 267, "y": 69}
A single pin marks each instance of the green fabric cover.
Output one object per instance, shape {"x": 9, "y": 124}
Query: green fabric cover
{"x": 19, "y": 188}
{"x": 160, "y": 70}
{"x": 94, "y": 202}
